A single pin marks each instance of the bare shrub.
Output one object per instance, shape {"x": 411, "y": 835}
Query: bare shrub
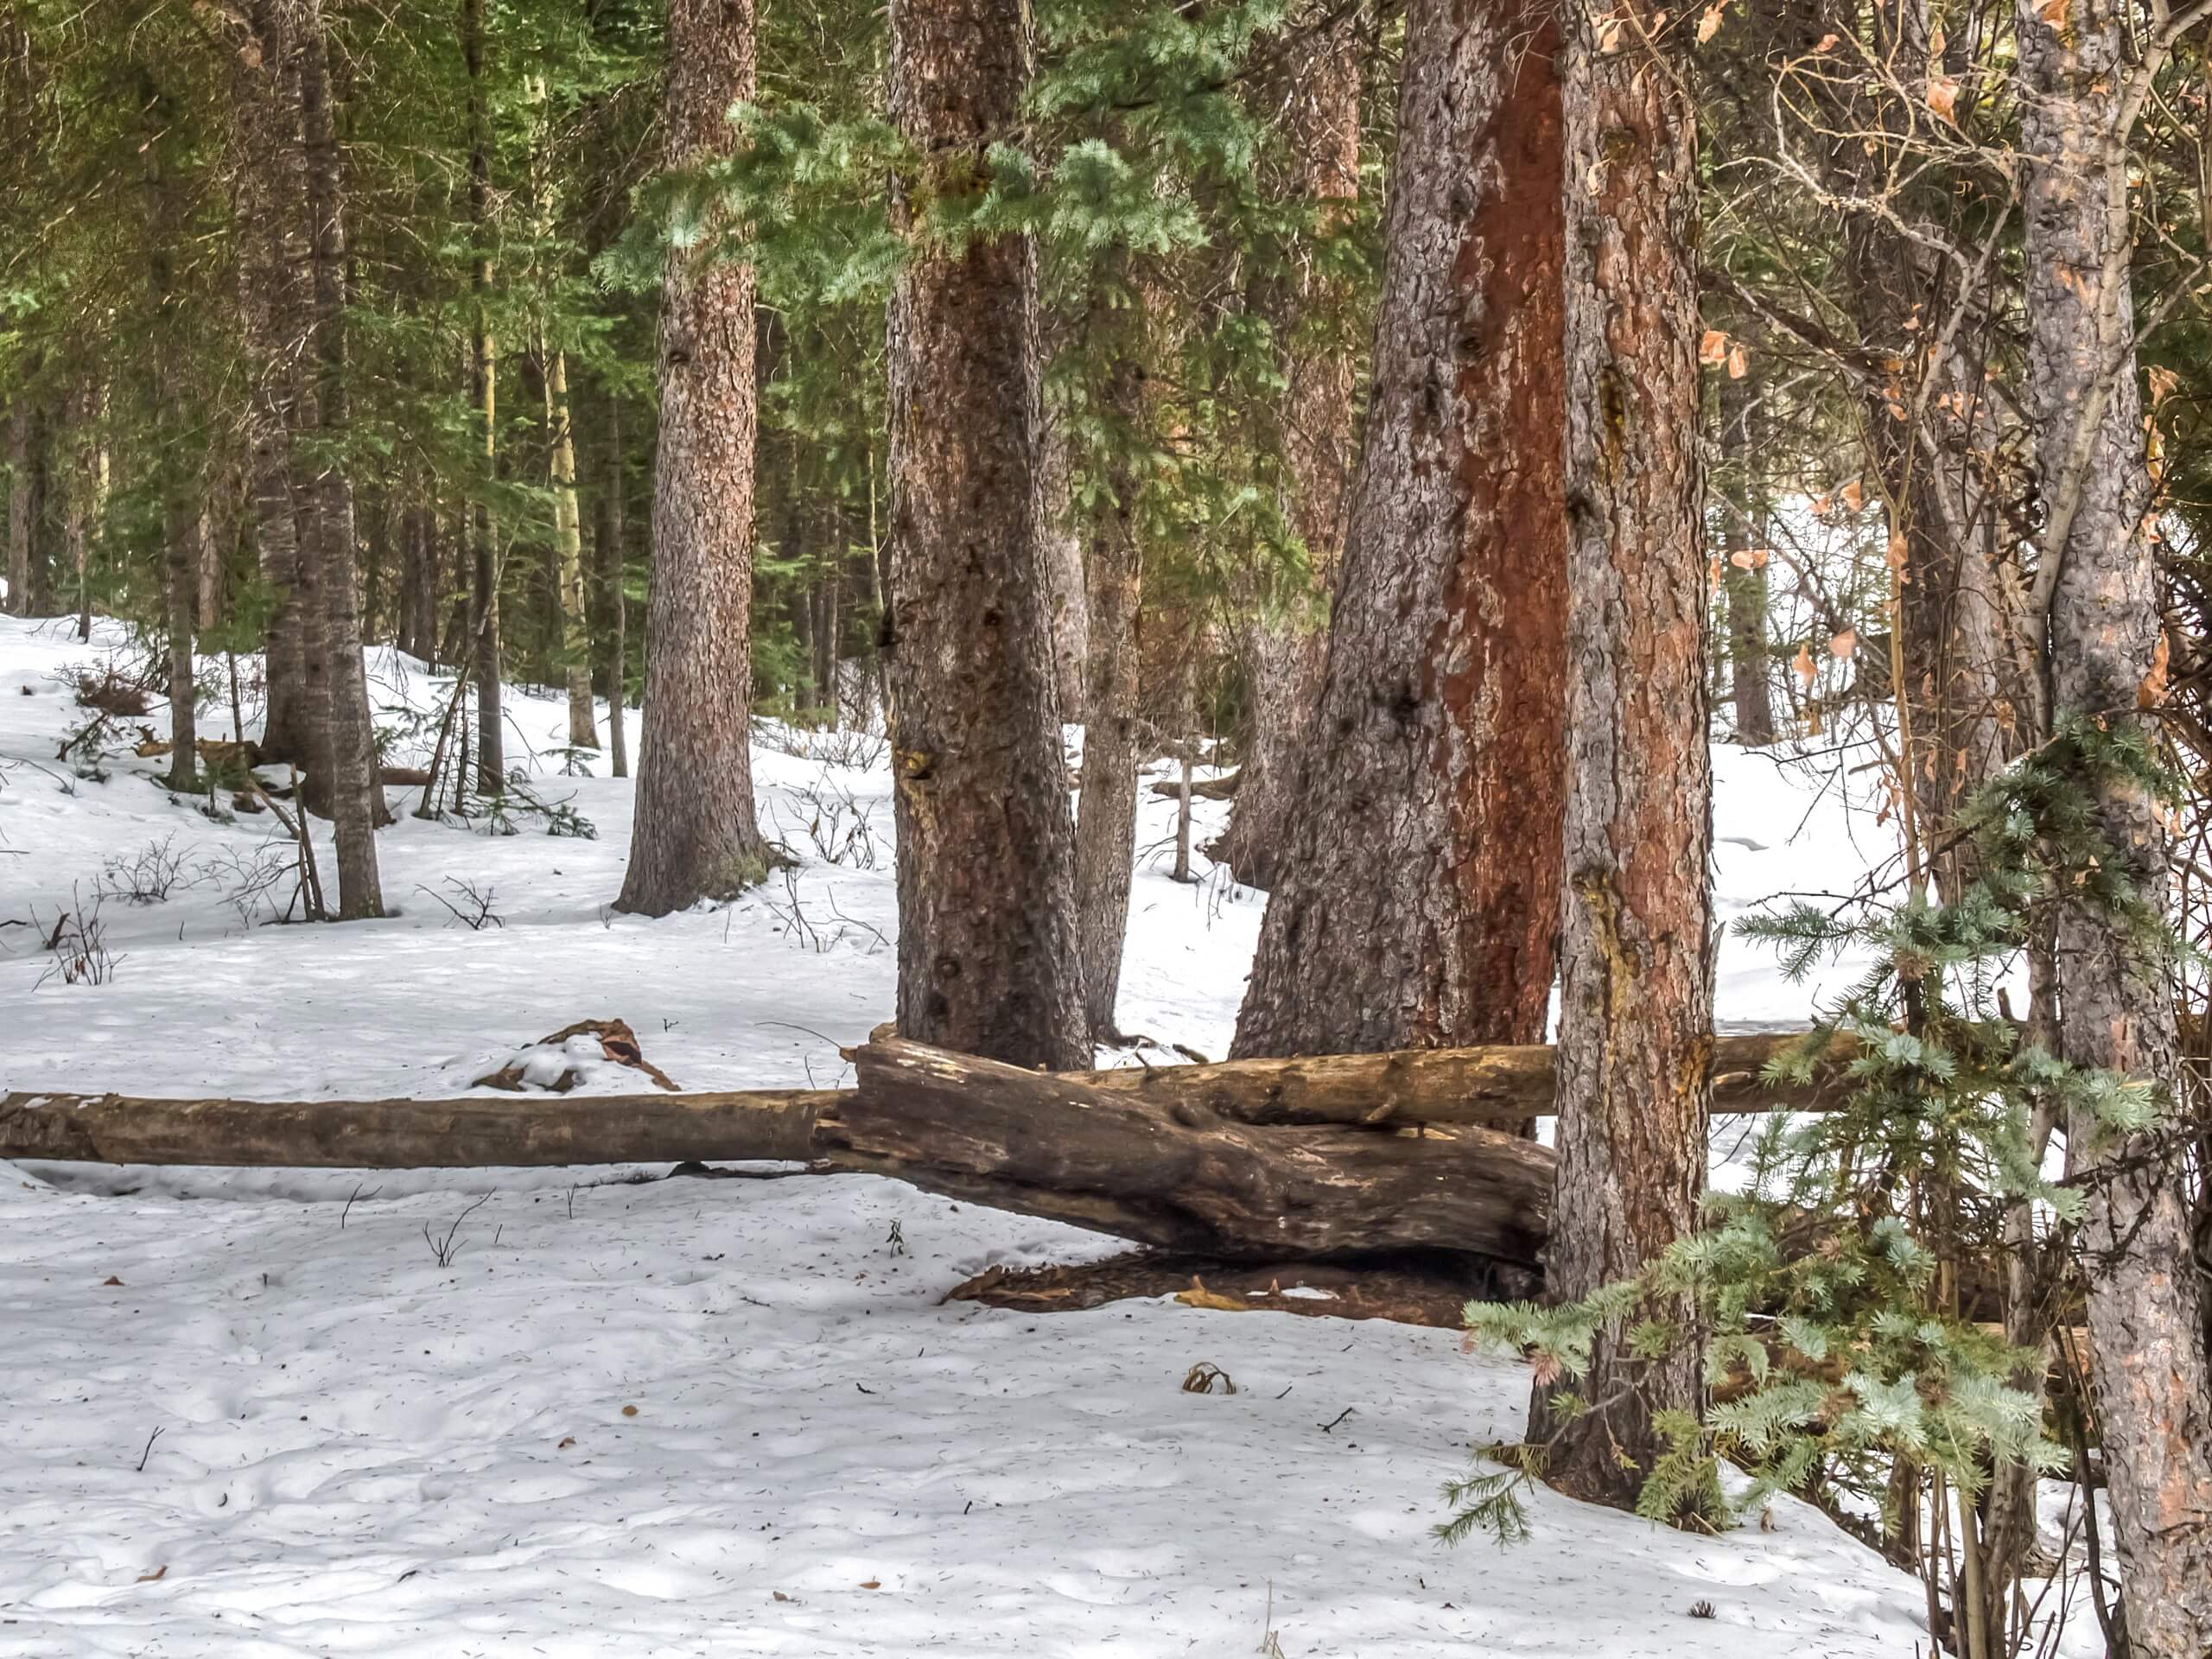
{"x": 149, "y": 876}
{"x": 78, "y": 942}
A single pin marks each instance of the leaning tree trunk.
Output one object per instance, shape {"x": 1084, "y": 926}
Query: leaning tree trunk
{"x": 987, "y": 939}
{"x": 1106, "y": 809}
{"x": 1636, "y": 998}
{"x": 350, "y": 740}
{"x": 569, "y": 537}
{"x": 1419, "y": 897}
{"x": 696, "y": 836}
{"x": 2145, "y": 1306}
{"x": 1317, "y": 105}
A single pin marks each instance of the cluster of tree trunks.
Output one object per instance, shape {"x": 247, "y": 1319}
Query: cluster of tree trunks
{"x": 1251, "y": 1159}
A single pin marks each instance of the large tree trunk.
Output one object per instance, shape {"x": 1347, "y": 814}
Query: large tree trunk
{"x": 568, "y": 540}
{"x": 696, "y": 836}
{"x": 483, "y": 646}
{"x": 2145, "y": 1306}
{"x": 350, "y": 741}
{"x": 1636, "y": 969}
{"x": 267, "y": 205}
{"x": 1106, "y": 810}
{"x": 1316, "y": 102}
{"x": 1419, "y": 898}
{"x": 987, "y": 939}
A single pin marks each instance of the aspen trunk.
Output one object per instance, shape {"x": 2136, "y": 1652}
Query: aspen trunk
{"x": 1419, "y": 898}
{"x": 1635, "y": 1038}
{"x": 986, "y": 940}
{"x": 568, "y": 540}
{"x": 696, "y": 834}
{"x": 1286, "y": 647}
{"x": 2145, "y": 1293}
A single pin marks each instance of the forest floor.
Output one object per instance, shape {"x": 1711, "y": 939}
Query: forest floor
{"x": 250, "y": 1414}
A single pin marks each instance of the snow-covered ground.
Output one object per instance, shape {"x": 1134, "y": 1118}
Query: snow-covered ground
{"x": 250, "y": 1414}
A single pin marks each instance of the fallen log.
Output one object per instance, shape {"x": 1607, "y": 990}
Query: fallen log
{"x": 1248, "y": 1159}
{"x": 1499, "y": 1086}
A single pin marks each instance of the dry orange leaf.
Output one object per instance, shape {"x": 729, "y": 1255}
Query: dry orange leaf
{"x": 1714, "y": 348}
{"x": 1844, "y": 644}
{"x": 1853, "y": 495}
{"x": 156, "y": 1575}
{"x": 1943, "y": 97}
{"x": 1739, "y": 363}
{"x": 2053, "y": 12}
{"x": 871, "y": 1584}
{"x": 1827, "y": 43}
{"x": 629, "y": 1411}
{"x": 1709, "y": 24}
{"x": 1896, "y": 552}
{"x": 1804, "y": 664}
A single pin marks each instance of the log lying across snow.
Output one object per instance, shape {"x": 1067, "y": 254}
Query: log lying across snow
{"x": 1251, "y": 1159}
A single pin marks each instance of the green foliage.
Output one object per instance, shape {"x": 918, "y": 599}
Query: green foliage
{"x": 1834, "y": 1347}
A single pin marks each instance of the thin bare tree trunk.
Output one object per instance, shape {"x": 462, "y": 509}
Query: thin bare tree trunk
{"x": 19, "y": 422}
{"x": 2106, "y": 653}
{"x": 1419, "y": 897}
{"x": 568, "y": 538}
{"x": 987, "y": 939}
{"x": 612, "y": 562}
{"x": 164, "y": 219}
{"x": 483, "y": 388}
{"x": 1285, "y": 648}
{"x": 695, "y": 836}
{"x": 1636, "y": 1003}
{"x": 1106, "y": 808}
{"x": 1744, "y": 581}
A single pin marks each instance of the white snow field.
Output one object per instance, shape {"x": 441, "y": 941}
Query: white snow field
{"x": 249, "y": 1413}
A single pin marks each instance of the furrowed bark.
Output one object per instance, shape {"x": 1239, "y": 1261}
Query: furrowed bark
{"x": 697, "y": 837}
{"x": 988, "y": 958}
{"x": 1635, "y": 1040}
{"x": 2146, "y": 1293}
{"x": 1418, "y": 900}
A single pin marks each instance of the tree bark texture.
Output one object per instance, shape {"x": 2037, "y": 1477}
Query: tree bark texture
{"x": 612, "y": 561}
{"x": 1316, "y": 101}
{"x": 349, "y": 742}
{"x": 2145, "y": 1308}
{"x": 20, "y": 513}
{"x": 1419, "y": 897}
{"x": 164, "y": 222}
{"x": 1743, "y": 433}
{"x": 988, "y": 960}
{"x": 1634, "y": 1039}
{"x": 696, "y": 834}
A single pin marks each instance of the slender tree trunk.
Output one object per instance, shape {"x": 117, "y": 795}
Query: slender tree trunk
{"x": 613, "y": 559}
{"x": 2146, "y": 1294}
{"x": 164, "y": 220}
{"x": 1067, "y": 602}
{"x": 695, "y": 836}
{"x": 1286, "y": 647}
{"x": 483, "y": 388}
{"x": 987, "y": 939}
{"x": 83, "y": 509}
{"x": 1744, "y": 543}
{"x": 569, "y": 537}
{"x": 267, "y": 203}
{"x": 355, "y": 801}
{"x": 1106, "y": 810}
{"x": 1636, "y": 1003}
{"x": 19, "y": 505}
{"x": 1419, "y": 897}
